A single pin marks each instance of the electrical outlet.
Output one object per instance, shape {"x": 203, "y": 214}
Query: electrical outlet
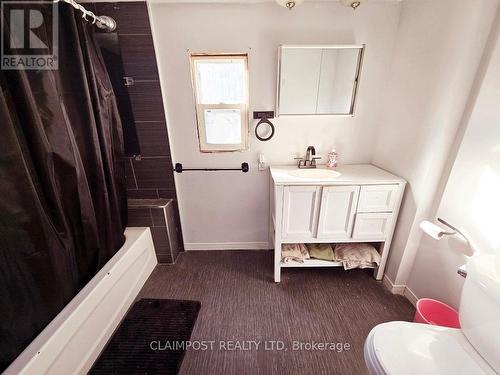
{"x": 262, "y": 162}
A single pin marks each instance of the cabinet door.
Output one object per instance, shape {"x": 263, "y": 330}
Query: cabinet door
{"x": 300, "y": 212}
{"x": 338, "y": 206}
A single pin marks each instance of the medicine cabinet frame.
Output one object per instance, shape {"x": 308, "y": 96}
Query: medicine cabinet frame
{"x": 360, "y": 47}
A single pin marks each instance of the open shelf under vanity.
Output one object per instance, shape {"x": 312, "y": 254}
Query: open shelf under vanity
{"x": 312, "y": 262}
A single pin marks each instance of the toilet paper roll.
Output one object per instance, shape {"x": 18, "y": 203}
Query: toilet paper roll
{"x": 432, "y": 230}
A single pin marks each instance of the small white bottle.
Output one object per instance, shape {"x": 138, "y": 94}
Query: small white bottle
{"x": 333, "y": 157}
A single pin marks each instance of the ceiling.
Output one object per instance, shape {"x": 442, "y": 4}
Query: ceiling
{"x": 257, "y": 1}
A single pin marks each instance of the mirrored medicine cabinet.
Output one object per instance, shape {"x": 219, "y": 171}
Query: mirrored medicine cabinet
{"x": 318, "y": 79}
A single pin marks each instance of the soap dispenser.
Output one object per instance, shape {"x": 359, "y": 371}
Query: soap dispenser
{"x": 332, "y": 159}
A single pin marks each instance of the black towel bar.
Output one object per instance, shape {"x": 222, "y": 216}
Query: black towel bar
{"x": 179, "y": 168}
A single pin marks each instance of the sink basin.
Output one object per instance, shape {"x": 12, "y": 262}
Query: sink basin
{"x": 318, "y": 174}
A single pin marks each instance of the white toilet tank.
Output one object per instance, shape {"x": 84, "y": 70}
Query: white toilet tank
{"x": 480, "y": 307}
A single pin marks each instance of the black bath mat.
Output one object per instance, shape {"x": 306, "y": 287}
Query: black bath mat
{"x": 144, "y": 343}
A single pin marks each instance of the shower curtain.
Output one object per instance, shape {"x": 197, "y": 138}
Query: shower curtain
{"x": 62, "y": 183}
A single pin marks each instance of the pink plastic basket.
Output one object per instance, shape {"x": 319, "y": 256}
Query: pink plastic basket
{"x": 430, "y": 311}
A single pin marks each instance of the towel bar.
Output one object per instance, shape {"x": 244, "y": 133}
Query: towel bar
{"x": 179, "y": 168}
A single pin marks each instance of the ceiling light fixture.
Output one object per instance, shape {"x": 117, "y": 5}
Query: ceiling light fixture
{"x": 289, "y": 4}
{"x": 352, "y": 3}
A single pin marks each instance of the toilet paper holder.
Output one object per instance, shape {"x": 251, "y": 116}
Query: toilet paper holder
{"x": 438, "y": 233}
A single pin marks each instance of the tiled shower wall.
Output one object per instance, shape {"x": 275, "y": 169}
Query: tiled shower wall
{"x": 149, "y": 176}
{"x": 160, "y": 215}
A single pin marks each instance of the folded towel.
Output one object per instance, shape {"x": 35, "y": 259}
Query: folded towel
{"x": 357, "y": 255}
{"x": 294, "y": 251}
{"x": 321, "y": 251}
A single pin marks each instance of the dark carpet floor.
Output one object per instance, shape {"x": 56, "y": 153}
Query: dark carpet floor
{"x": 239, "y": 301}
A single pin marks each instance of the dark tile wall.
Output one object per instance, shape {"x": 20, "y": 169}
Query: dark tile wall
{"x": 160, "y": 215}
{"x": 150, "y": 175}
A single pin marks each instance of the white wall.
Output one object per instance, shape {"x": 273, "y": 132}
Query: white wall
{"x": 230, "y": 209}
{"x": 471, "y": 199}
{"x": 417, "y": 88}
{"x": 438, "y": 50}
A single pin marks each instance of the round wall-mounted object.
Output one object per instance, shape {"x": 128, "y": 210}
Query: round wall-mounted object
{"x": 271, "y": 130}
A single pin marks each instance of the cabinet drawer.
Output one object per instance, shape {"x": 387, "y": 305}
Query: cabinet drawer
{"x": 377, "y": 198}
{"x": 372, "y": 226}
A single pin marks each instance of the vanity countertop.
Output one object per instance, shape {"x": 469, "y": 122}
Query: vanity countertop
{"x": 364, "y": 174}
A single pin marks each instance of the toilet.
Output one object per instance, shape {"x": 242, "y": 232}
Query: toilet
{"x": 412, "y": 348}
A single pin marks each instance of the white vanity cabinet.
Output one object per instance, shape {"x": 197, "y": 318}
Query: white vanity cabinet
{"x": 359, "y": 205}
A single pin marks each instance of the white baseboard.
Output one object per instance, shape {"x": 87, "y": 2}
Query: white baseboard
{"x": 410, "y": 296}
{"x": 227, "y": 246}
{"x": 402, "y": 290}
{"x": 394, "y": 289}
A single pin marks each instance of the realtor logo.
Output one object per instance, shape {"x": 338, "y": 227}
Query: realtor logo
{"x": 29, "y": 35}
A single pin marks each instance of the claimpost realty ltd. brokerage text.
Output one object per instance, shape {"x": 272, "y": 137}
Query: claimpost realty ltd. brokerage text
{"x": 249, "y": 345}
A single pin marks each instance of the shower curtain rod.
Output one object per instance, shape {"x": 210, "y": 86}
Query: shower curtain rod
{"x": 102, "y": 22}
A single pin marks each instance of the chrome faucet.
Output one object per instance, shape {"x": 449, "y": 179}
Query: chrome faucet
{"x": 310, "y": 160}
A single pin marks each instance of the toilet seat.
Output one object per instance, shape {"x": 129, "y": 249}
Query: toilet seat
{"x": 402, "y": 348}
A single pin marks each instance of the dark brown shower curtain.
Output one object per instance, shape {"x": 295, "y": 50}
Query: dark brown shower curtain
{"x": 62, "y": 183}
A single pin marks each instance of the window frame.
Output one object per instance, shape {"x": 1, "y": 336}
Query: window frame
{"x": 200, "y": 108}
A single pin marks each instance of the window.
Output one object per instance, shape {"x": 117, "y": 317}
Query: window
{"x": 220, "y": 84}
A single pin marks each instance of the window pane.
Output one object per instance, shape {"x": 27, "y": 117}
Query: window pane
{"x": 220, "y": 82}
{"x": 223, "y": 126}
